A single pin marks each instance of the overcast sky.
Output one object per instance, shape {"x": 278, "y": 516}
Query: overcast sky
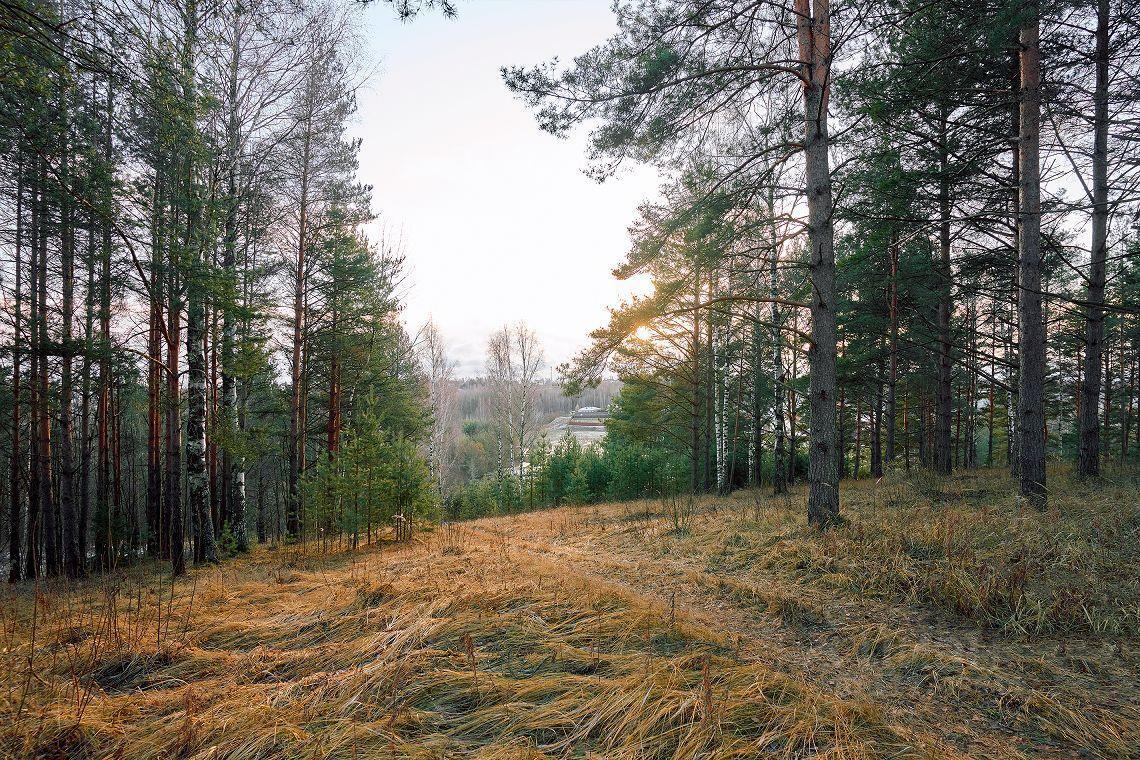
{"x": 497, "y": 219}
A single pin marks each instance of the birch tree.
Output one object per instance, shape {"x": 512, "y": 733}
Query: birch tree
{"x": 443, "y": 400}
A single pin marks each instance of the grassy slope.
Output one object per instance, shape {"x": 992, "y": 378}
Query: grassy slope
{"x": 939, "y": 622}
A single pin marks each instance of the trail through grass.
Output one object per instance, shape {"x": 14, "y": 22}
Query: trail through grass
{"x": 940, "y": 621}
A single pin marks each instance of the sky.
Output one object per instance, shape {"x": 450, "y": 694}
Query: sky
{"x": 497, "y": 219}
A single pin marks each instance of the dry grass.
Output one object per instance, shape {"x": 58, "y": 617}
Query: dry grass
{"x": 428, "y": 651}
{"x": 608, "y": 632}
{"x": 964, "y": 545}
{"x": 939, "y": 590}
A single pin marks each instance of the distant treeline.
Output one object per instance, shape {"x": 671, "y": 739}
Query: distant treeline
{"x": 566, "y": 472}
{"x": 475, "y": 402}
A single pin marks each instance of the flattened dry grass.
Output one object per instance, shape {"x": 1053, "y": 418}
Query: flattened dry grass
{"x": 941, "y": 620}
{"x": 965, "y": 545}
{"x": 418, "y": 652}
{"x": 947, "y": 588}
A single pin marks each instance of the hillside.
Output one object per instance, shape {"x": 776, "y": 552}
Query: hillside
{"x": 939, "y": 621}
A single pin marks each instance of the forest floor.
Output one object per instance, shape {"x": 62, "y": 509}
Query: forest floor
{"x": 941, "y": 620}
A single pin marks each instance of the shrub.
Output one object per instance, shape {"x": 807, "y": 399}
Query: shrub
{"x": 569, "y": 473}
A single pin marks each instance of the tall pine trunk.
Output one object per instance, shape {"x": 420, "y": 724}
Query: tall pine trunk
{"x": 15, "y": 505}
{"x": 893, "y": 373}
{"x": 173, "y": 475}
{"x": 814, "y": 35}
{"x": 695, "y": 409}
{"x": 158, "y": 528}
{"x": 1088, "y": 456}
{"x": 103, "y": 496}
{"x": 1031, "y": 354}
{"x": 297, "y": 408}
{"x": 756, "y": 436}
{"x": 944, "y": 407}
{"x": 33, "y": 546}
{"x": 85, "y": 389}
{"x": 73, "y": 564}
{"x": 49, "y": 524}
{"x": 877, "y": 427}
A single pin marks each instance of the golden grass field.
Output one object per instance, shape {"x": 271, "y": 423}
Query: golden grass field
{"x": 940, "y": 621}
